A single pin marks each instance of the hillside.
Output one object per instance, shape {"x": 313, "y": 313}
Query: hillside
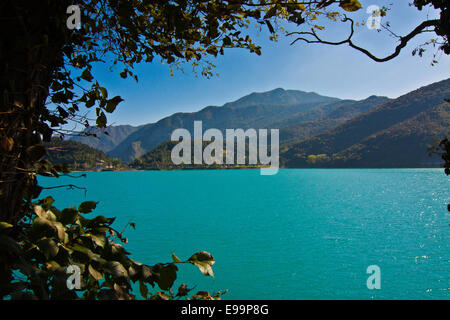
{"x": 318, "y": 132}
{"x": 105, "y": 142}
{"x": 160, "y": 159}
{"x": 274, "y": 109}
{"x": 76, "y": 155}
{"x": 259, "y": 110}
{"x": 395, "y": 134}
{"x": 341, "y": 111}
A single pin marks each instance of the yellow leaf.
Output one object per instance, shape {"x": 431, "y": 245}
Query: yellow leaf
{"x": 6, "y": 143}
{"x": 351, "y": 5}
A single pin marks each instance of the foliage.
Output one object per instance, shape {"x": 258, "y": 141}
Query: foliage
{"x": 47, "y": 69}
{"x": 47, "y": 77}
{"x": 160, "y": 159}
{"x": 443, "y": 150}
{"x": 120, "y": 34}
{"x": 439, "y": 28}
{"x": 443, "y": 27}
{"x": 77, "y": 156}
{"x": 317, "y": 159}
{"x": 117, "y": 163}
{"x": 35, "y": 255}
{"x": 444, "y": 145}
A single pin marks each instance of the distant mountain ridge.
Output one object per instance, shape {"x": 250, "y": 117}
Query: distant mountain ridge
{"x": 279, "y": 97}
{"x": 247, "y": 112}
{"x": 399, "y": 129}
{"x": 333, "y": 115}
{"x": 402, "y": 145}
{"x": 273, "y": 109}
{"x": 315, "y": 130}
{"x": 102, "y": 141}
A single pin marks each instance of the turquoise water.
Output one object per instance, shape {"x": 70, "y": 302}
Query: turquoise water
{"x": 300, "y": 234}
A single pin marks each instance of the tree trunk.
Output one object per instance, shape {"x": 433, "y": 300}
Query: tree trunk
{"x": 30, "y": 52}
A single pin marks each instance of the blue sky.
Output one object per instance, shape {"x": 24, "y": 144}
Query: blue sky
{"x": 328, "y": 70}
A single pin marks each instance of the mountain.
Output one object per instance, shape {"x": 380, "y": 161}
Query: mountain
{"x": 339, "y": 111}
{"x": 395, "y": 134}
{"x": 76, "y": 155}
{"x": 105, "y": 142}
{"x": 402, "y": 145}
{"x": 315, "y": 131}
{"x": 333, "y": 115}
{"x": 258, "y": 110}
{"x": 279, "y": 97}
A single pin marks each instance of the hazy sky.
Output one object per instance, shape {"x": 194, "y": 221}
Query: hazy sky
{"x": 328, "y": 70}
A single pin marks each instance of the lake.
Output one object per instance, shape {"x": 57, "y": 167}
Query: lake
{"x": 300, "y": 234}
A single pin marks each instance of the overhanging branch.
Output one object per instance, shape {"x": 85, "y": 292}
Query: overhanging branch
{"x": 403, "y": 40}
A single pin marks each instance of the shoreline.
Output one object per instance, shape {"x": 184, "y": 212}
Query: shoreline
{"x": 253, "y": 168}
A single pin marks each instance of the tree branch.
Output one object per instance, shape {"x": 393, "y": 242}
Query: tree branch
{"x": 403, "y": 40}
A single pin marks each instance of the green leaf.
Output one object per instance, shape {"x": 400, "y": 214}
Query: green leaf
{"x": 104, "y": 92}
{"x": 6, "y": 143}
{"x": 86, "y": 75}
{"x": 147, "y": 273}
{"x": 87, "y": 206}
{"x": 271, "y": 12}
{"x": 167, "y": 276}
{"x": 61, "y": 230}
{"x": 202, "y": 295}
{"x": 94, "y": 273}
{"x": 40, "y": 212}
{"x": 160, "y": 296}
{"x": 47, "y": 202}
{"x": 226, "y": 41}
{"x": 116, "y": 269}
{"x": 132, "y": 273}
{"x": 101, "y": 120}
{"x": 212, "y": 50}
{"x": 182, "y": 290}
{"x": 175, "y": 258}
{"x": 5, "y": 225}
{"x": 48, "y": 247}
{"x": 99, "y": 240}
{"x": 41, "y": 226}
{"x": 90, "y": 103}
{"x": 143, "y": 289}
{"x": 203, "y": 260}
{"x": 93, "y": 256}
{"x": 68, "y": 215}
{"x": 55, "y": 266}
{"x": 112, "y": 104}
